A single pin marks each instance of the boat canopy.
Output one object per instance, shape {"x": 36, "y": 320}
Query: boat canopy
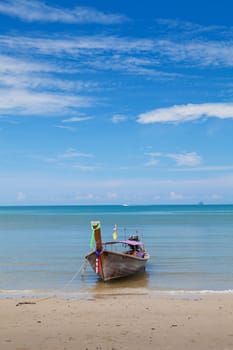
{"x": 131, "y": 242}
{"x": 128, "y": 241}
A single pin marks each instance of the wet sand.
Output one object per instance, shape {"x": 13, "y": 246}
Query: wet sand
{"x": 117, "y": 322}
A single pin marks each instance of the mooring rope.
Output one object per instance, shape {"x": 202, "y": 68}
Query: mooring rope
{"x": 81, "y": 271}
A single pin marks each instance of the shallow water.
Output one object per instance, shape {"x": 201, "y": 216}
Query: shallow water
{"x": 42, "y": 248}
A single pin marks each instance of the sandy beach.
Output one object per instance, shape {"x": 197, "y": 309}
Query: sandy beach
{"x": 116, "y": 322}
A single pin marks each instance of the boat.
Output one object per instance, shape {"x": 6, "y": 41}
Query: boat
{"x": 109, "y": 263}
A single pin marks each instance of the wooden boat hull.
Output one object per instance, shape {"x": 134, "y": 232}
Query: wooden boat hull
{"x": 114, "y": 265}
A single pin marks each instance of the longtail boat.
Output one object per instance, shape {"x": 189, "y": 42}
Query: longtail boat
{"x": 109, "y": 263}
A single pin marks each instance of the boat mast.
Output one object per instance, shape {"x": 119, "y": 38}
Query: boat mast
{"x": 97, "y": 234}
{"x": 98, "y": 243}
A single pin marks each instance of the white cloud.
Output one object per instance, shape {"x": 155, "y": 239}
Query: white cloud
{"x": 65, "y": 127}
{"x": 200, "y": 53}
{"x": 43, "y": 186}
{"x": 210, "y": 168}
{"x": 215, "y": 196}
{"x": 119, "y": 118}
{"x": 154, "y": 154}
{"x": 191, "y": 51}
{"x": 82, "y": 197}
{"x": 173, "y": 196}
{"x": 186, "y": 159}
{"x": 187, "y": 113}
{"x": 76, "y": 119}
{"x": 64, "y": 158}
{"x": 20, "y": 196}
{"x": 23, "y": 102}
{"x": 78, "y": 45}
{"x": 22, "y": 73}
{"x": 52, "y": 82}
{"x": 72, "y": 153}
{"x": 84, "y": 167}
{"x": 128, "y": 55}
{"x": 152, "y": 162}
{"x": 190, "y": 159}
{"x": 156, "y": 197}
{"x": 112, "y": 195}
{"x": 131, "y": 54}
{"x": 120, "y": 61}
{"x": 32, "y": 10}
{"x": 12, "y": 64}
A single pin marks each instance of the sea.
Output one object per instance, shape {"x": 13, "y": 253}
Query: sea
{"x": 43, "y": 248}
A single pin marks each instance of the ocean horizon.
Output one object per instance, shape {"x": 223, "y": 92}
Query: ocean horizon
{"x": 43, "y": 248}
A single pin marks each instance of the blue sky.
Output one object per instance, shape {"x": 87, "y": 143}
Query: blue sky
{"x": 112, "y": 102}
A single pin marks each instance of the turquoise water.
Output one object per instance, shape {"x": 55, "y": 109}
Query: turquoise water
{"x": 42, "y": 248}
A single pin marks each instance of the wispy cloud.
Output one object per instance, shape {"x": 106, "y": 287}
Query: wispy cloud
{"x": 38, "y": 11}
{"x": 126, "y": 54}
{"x": 152, "y": 162}
{"x": 43, "y": 69}
{"x": 83, "y": 197}
{"x": 187, "y": 113}
{"x": 68, "y": 159}
{"x": 23, "y": 80}
{"x": 98, "y": 52}
{"x": 76, "y": 46}
{"x": 52, "y": 82}
{"x": 191, "y": 52}
{"x": 69, "y": 128}
{"x": 23, "y": 102}
{"x": 72, "y": 120}
{"x": 184, "y": 162}
{"x": 184, "y": 28}
{"x": 14, "y": 64}
{"x": 209, "y": 168}
{"x": 201, "y": 53}
{"x": 173, "y": 196}
{"x": 20, "y": 196}
{"x": 130, "y": 63}
{"x": 72, "y": 153}
{"x": 76, "y": 119}
{"x": 187, "y": 159}
{"x": 40, "y": 73}
{"x": 119, "y": 118}
{"x": 84, "y": 167}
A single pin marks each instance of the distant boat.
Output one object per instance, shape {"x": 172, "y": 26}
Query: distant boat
{"x": 108, "y": 263}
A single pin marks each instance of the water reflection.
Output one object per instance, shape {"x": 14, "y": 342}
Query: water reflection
{"x": 125, "y": 285}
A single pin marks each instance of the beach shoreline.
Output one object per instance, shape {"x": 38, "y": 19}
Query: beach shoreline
{"x": 117, "y": 321}
{"x": 108, "y": 290}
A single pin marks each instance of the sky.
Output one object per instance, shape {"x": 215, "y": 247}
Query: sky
{"x": 116, "y": 102}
